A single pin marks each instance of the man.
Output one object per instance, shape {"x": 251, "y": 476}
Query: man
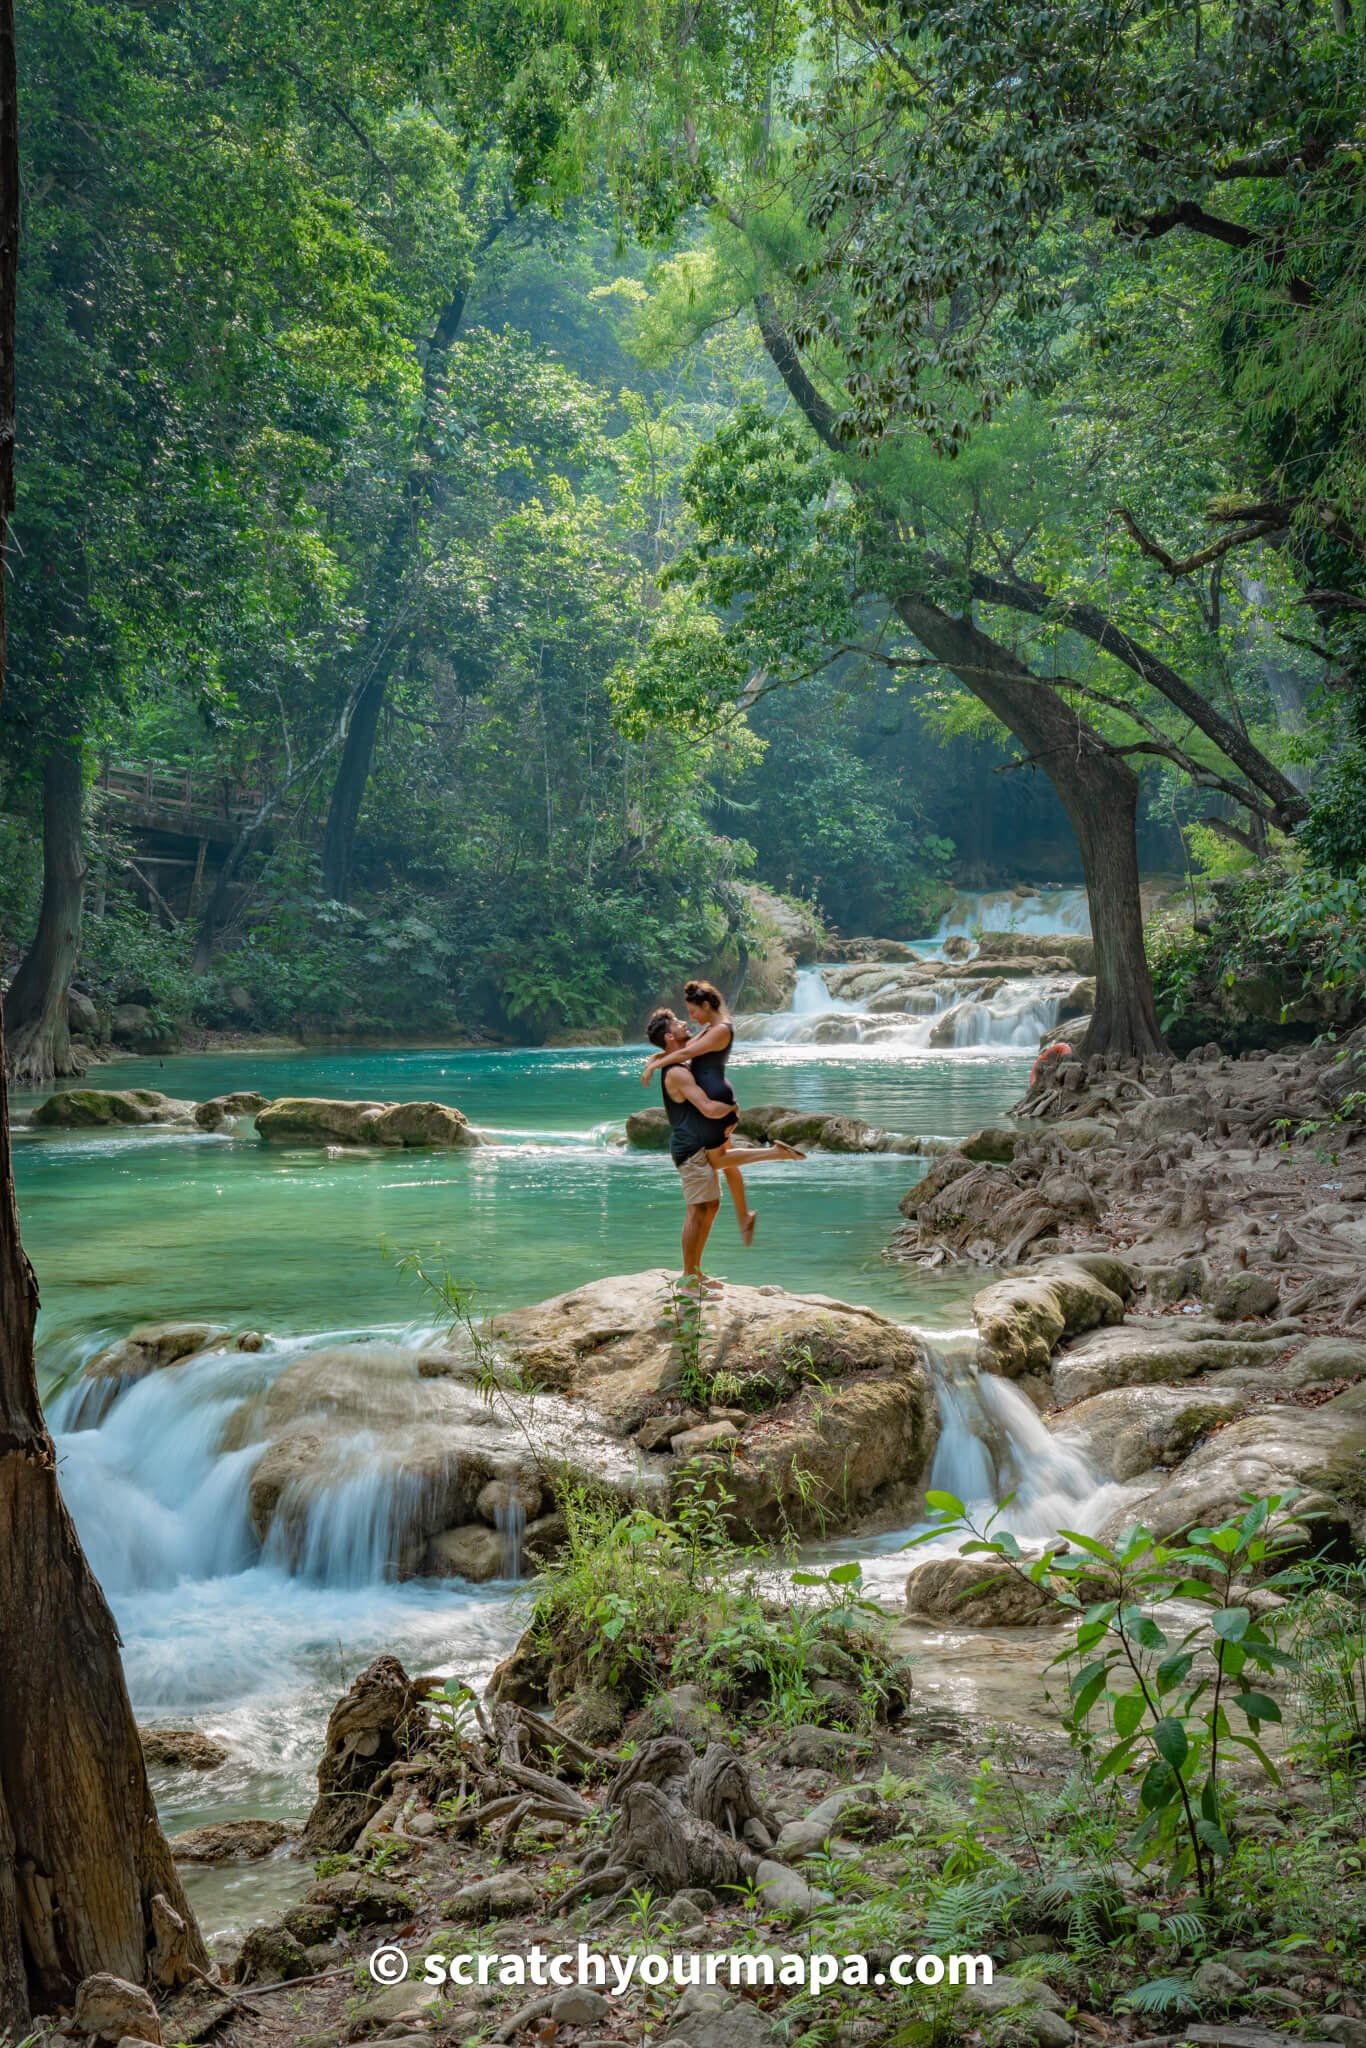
{"x": 700, "y": 1145}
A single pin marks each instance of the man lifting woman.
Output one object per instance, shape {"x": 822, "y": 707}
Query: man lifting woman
{"x": 702, "y": 1111}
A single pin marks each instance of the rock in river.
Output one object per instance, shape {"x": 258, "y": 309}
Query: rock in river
{"x": 99, "y": 1109}
{"x": 316, "y": 1120}
{"x": 841, "y": 1398}
{"x": 979, "y": 1592}
{"x": 1318, "y": 1452}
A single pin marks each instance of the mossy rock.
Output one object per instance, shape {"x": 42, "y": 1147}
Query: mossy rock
{"x": 93, "y": 1109}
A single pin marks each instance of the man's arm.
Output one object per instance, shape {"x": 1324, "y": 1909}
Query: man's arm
{"x": 683, "y": 1088}
{"x": 715, "y": 1038}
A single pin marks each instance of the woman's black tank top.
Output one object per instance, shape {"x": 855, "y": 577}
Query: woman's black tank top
{"x": 709, "y": 1072}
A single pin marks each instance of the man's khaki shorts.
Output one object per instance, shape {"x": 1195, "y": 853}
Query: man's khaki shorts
{"x": 700, "y": 1184}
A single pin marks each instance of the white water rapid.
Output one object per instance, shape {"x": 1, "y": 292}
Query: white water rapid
{"x": 899, "y": 1004}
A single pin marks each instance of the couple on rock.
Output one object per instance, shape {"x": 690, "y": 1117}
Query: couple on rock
{"x": 702, "y": 1111}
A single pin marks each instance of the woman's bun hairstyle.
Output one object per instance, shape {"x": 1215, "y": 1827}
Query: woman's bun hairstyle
{"x": 704, "y": 992}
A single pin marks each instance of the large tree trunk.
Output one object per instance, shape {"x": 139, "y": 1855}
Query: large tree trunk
{"x": 383, "y": 634}
{"x": 1099, "y": 792}
{"x": 36, "y": 1030}
{"x": 83, "y": 1861}
{"x": 358, "y": 749}
{"x": 1098, "y": 789}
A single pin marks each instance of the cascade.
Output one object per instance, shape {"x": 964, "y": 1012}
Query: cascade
{"x": 953, "y": 1015}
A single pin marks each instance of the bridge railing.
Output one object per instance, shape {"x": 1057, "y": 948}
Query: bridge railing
{"x": 178, "y": 792}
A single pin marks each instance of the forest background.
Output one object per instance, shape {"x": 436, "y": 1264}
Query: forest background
{"x": 516, "y": 478}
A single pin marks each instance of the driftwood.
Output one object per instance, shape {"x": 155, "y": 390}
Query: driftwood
{"x": 376, "y": 1725}
{"x": 678, "y": 1822}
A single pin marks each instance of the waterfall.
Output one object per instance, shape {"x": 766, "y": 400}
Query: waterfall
{"x": 899, "y": 1009}
{"x": 510, "y": 1521}
{"x": 947, "y": 1016}
{"x": 1036, "y": 913}
{"x": 993, "y": 1445}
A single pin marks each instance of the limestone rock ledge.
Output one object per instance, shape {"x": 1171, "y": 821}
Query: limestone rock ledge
{"x": 452, "y": 1459}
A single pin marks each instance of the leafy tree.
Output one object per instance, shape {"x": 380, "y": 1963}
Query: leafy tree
{"x": 86, "y": 1877}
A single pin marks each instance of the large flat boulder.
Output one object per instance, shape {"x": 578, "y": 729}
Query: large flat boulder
{"x": 616, "y": 1342}
{"x": 1319, "y": 1452}
{"x": 1131, "y": 1430}
{"x": 1020, "y": 1321}
{"x": 318, "y": 1120}
{"x": 102, "y": 1109}
{"x": 1163, "y": 1352}
{"x": 835, "y": 1403}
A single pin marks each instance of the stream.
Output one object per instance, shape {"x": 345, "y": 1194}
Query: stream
{"x": 143, "y": 1226}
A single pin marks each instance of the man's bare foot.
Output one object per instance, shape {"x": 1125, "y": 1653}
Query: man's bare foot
{"x": 747, "y": 1227}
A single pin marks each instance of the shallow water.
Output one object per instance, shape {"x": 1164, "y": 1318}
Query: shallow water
{"x": 144, "y": 1226}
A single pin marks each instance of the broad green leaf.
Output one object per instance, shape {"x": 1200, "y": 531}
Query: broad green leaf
{"x": 1160, "y": 1785}
{"x": 1172, "y": 1670}
{"x": 1170, "y": 1738}
{"x": 1129, "y": 1711}
{"x": 1258, "y": 1706}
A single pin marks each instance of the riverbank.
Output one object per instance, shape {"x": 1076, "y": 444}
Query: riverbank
{"x": 731, "y": 1768}
{"x": 1240, "y": 1179}
{"x": 1080, "y": 1392}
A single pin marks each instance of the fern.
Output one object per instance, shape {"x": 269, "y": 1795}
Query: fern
{"x": 1160, "y": 1994}
{"x": 965, "y": 1911}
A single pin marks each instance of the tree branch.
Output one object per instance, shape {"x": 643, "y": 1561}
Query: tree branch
{"x": 1018, "y": 593}
{"x": 1186, "y": 565}
{"x": 1231, "y": 232}
{"x": 818, "y": 412}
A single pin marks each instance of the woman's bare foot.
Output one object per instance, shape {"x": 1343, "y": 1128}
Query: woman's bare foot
{"x": 782, "y": 1151}
{"x": 747, "y": 1227}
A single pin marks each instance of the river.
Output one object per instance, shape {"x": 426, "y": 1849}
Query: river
{"x": 145, "y": 1226}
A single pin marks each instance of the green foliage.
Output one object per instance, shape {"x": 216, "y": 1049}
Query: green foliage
{"x": 1334, "y": 834}
{"x": 126, "y": 957}
{"x": 1328, "y": 1623}
{"x": 615, "y": 1601}
{"x": 775, "y": 1660}
{"x": 1304, "y": 926}
{"x": 1166, "y": 1717}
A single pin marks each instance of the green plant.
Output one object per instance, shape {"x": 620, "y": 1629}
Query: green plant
{"x": 1328, "y": 1622}
{"x": 1166, "y": 1705}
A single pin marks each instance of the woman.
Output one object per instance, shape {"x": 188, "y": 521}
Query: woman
{"x": 707, "y": 1052}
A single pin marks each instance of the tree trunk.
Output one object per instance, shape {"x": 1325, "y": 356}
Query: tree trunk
{"x": 353, "y": 770}
{"x": 83, "y": 1860}
{"x": 382, "y": 635}
{"x": 1099, "y": 792}
{"x": 39, "y": 1041}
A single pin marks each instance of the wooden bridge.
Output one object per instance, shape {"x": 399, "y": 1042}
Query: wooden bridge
{"x": 200, "y": 806}
{"x": 179, "y": 826}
